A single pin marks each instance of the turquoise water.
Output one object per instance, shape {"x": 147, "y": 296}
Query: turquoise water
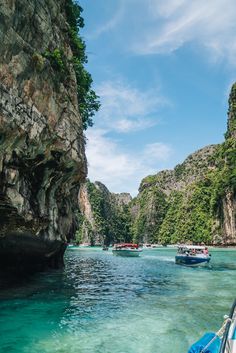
{"x": 106, "y": 304}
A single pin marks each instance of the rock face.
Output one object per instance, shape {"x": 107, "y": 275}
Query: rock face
{"x": 231, "y": 130}
{"x": 191, "y": 170}
{"x": 124, "y": 198}
{"x": 160, "y": 210}
{"x": 42, "y": 160}
{"x": 196, "y": 201}
{"x": 88, "y": 228}
{"x": 229, "y": 217}
{"x": 197, "y": 207}
{"x": 104, "y": 216}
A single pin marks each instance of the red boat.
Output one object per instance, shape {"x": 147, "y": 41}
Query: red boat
{"x": 126, "y": 249}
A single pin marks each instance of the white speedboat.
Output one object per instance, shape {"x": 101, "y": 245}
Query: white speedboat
{"x": 192, "y": 255}
{"x": 156, "y": 246}
{"x": 70, "y": 245}
{"x": 147, "y": 246}
{"x": 151, "y": 246}
{"x": 85, "y": 245}
{"x": 126, "y": 249}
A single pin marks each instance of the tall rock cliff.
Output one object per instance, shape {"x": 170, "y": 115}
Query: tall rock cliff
{"x": 104, "y": 216}
{"x": 196, "y": 201}
{"x": 42, "y": 160}
{"x": 164, "y": 208}
{"x": 231, "y": 125}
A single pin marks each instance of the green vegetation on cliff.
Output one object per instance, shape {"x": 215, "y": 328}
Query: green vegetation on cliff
{"x": 183, "y": 205}
{"x": 62, "y": 62}
{"x": 107, "y": 221}
{"x": 231, "y": 124}
{"x": 198, "y": 202}
{"x": 188, "y": 217}
{"x": 152, "y": 209}
{"x": 193, "y": 206}
{"x": 87, "y": 98}
{"x": 195, "y": 202}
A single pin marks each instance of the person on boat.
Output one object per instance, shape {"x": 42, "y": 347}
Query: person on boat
{"x": 205, "y": 251}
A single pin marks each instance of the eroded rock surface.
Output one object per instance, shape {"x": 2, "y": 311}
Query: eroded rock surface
{"x": 42, "y": 160}
{"x": 104, "y": 216}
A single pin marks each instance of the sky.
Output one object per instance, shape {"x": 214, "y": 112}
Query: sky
{"x": 163, "y": 70}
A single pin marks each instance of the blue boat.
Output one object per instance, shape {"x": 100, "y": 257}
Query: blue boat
{"x": 223, "y": 341}
{"x": 192, "y": 255}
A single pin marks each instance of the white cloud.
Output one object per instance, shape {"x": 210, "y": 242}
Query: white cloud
{"x": 119, "y": 169}
{"x": 127, "y": 109}
{"x": 126, "y": 125}
{"x": 110, "y": 24}
{"x": 158, "y": 151}
{"x": 172, "y": 23}
{"x": 163, "y": 26}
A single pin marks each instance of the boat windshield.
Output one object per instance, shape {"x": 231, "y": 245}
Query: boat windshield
{"x": 192, "y": 250}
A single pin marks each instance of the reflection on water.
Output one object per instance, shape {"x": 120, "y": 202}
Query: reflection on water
{"x": 105, "y": 304}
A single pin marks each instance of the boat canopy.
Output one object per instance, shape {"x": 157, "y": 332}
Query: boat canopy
{"x": 189, "y": 247}
{"x": 126, "y": 245}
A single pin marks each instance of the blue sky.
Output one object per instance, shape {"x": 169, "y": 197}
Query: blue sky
{"x": 163, "y": 70}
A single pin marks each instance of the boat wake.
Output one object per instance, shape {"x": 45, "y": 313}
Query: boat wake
{"x": 159, "y": 258}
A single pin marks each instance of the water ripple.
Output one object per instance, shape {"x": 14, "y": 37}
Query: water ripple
{"x": 101, "y": 304}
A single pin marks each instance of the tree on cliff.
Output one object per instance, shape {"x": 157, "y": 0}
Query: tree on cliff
{"x": 87, "y": 99}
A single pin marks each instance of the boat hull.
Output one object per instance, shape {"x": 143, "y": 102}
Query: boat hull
{"x": 191, "y": 260}
{"x": 126, "y": 252}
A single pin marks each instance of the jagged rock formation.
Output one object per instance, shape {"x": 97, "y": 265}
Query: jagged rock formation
{"x": 42, "y": 160}
{"x": 191, "y": 170}
{"x": 231, "y": 124}
{"x": 156, "y": 207}
{"x": 122, "y": 199}
{"x": 194, "y": 202}
{"x": 104, "y": 216}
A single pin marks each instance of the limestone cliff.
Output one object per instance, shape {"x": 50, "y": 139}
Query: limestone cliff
{"x": 194, "y": 202}
{"x": 104, "y": 216}
{"x": 231, "y": 125}
{"x": 42, "y": 160}
{"x": 162, "y": 194}
{"x": 191, "y": 170}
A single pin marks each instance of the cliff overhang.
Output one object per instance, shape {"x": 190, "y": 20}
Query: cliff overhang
{"x": 42, "y": 158}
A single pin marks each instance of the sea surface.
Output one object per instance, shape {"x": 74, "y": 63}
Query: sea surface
{"x": 100, "y": 303}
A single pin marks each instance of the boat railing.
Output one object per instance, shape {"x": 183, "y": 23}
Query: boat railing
{"x": 226, "y": 333}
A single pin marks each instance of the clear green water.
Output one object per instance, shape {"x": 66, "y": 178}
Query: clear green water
{"x": 106, "y": 304}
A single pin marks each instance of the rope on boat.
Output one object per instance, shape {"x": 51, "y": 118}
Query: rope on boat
{"x": 219, "y": 333}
